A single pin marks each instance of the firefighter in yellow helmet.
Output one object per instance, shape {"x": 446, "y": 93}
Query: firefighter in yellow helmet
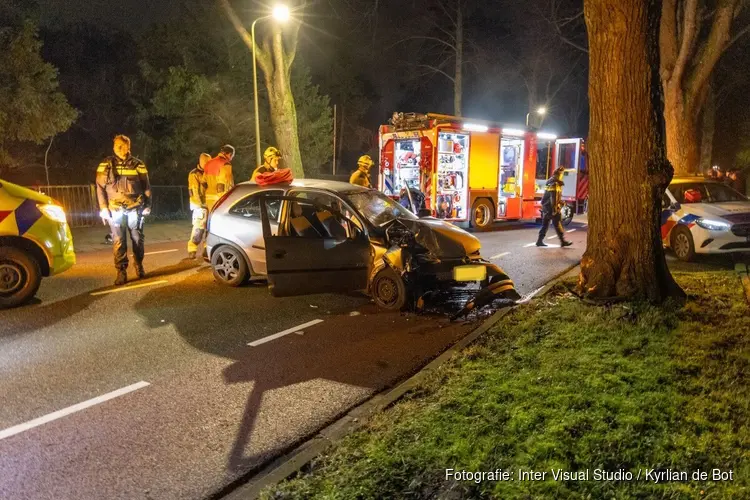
{"x": 361, "y": 176}
{"x": 271, "y": 158}
{"x": 197, "y": 186}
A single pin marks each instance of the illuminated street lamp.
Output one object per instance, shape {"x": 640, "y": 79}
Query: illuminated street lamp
{"x": 535, "y": 121}
{"x": 280, "y": 14}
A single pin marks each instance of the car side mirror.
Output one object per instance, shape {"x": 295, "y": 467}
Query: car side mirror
{"x": 424, "y": 212}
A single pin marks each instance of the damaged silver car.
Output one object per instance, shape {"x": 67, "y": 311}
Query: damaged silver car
{"x": 315, "y": 236}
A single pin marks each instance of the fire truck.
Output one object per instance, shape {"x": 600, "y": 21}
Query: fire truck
{"x": 474, "y": 172}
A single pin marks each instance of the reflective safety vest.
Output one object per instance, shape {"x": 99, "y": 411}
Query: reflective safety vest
{"x": 217, "y": 174}
{"x": 123, "y": 184}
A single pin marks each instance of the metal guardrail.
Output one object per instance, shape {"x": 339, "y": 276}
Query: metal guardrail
{"x": 82, "y": 207}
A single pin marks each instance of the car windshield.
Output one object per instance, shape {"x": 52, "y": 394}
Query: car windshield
{"x": 378, "y": 208}
{"x": 704, "y": 192}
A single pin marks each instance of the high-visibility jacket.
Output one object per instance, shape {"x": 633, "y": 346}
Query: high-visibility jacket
{"x": 217, "y": 174}
{"x": 197, "y": 186}
{"x": 122, "y": 184}
{"x": 360, "y": 177}
{"x": 552, "y": 199}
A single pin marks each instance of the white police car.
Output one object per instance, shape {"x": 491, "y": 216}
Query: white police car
{"x": 703, "y": 216}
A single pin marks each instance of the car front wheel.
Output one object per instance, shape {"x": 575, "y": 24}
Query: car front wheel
{"x": 20, "y": 277}
{"x": 682, "y": 243}
{"x": 229, "y": 266}
{"x": 389, "y": 290}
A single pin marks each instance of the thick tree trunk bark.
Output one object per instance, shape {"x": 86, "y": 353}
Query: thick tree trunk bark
{"x": 282, "y": 107}
{"x": 625, "y": 257}
{"x": 284, "y": 124}
{"x": 683, "y": 147}
{"x": 708, "y": 126}
{"x": 458, "y": 81}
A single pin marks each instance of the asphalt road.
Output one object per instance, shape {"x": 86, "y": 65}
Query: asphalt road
{"x": 154, "y": 392}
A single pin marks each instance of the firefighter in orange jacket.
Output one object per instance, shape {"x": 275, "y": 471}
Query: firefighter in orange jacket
{"x": 361, "y": 176}
{"x": 197, "y": 187}
{"x": 124, "y": 194}
{"x": 217, "y": 173}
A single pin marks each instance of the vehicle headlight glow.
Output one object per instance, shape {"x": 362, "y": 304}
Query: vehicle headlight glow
{"x": 713, "y": 225}
{"x": 54, "y": 212}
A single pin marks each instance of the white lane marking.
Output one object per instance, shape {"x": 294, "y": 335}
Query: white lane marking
{"x": 161, "y": 251}
{"x": 499, "y": 255}
{"x": 17, "y": 429}
{"x": 570, "y": 231}
{"x": 530, "y": 296}
{"x": 285, "y": 332}
{"x": 131, "y": 287}
{"x": 547, "y": 246}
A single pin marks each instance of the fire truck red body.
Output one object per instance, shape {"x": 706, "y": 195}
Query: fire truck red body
{"x": 474, "y": 171}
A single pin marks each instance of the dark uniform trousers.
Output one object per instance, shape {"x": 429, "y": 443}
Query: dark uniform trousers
{"x": 123, "y": 222}
{"x": 556, "y": 220}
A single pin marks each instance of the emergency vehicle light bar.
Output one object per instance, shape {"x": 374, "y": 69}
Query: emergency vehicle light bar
{"x": 514, "y": 131}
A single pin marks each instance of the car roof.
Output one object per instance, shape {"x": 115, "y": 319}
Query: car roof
{"x": 335, "y": 186}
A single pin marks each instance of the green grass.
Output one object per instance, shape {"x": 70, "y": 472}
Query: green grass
{"x": 562, "y": 384}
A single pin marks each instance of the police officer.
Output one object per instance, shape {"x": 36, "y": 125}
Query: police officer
{"x": 217, "y": 173}
{"x": 551, "y": 206}
{"x": 197, "y": 187}
{"x": 271, "y": 158}
{"x": 361, "y": 176}
{"x": 124, "y": 194}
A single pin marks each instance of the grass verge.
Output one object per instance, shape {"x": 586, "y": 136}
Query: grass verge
{"x": 565, "y": 385}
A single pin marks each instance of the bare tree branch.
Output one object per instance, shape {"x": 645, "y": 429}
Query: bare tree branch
{"x": 689, "y": 35}
{"x": 437, "y": 70}
{"x": 420, "y": 37}
{"x": 262, "y": 56}
{"x": 717, "y": 42}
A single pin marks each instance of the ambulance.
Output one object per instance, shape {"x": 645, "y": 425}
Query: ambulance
{"x": 35, "y": 242}
{"x": 475, "y": 172}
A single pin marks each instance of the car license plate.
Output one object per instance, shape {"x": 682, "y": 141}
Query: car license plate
{"x": 469, "y": 273}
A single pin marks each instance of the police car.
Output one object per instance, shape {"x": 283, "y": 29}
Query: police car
{"x": 35, "y": 241}
{"x": 702, "y": 216}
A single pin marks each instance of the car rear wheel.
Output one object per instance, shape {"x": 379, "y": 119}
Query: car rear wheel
{"x": 229, "y": 266}
{"x": 389, "y": 290}
{"x": 20, "y": 277}
{"x": 682, "y": 243}
{"x": 482, "y": 214}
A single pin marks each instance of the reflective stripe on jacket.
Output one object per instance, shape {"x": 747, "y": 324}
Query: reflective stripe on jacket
{"x": 123, "y": 183}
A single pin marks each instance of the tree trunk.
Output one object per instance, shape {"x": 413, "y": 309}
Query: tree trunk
{"x": 282, "y": 107}
{"x": 708, "y": 125}
{"x": 458, "y": 82}
{"x": 624, "y": 257}
{"x": 682, "y": 132}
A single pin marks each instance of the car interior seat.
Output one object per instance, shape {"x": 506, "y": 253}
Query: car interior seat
{"x": 301, "y": 225}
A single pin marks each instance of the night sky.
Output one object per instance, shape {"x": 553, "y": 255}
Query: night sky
{"x": 132, "y": 15}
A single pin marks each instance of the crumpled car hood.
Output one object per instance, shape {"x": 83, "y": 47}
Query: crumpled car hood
{"x": 441, "y": 239}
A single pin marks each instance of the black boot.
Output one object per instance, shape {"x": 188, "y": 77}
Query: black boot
{"x": 540, "y": 243}
{"x": 122, "y": 277}
{"x": 564, "y": 243}
{"x": 139, "y": 271}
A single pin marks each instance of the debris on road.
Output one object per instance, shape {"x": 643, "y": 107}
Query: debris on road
{"x": 355, "y": 313}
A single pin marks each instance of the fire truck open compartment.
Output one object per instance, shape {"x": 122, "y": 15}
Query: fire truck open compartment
{"x": 472, "y": 172}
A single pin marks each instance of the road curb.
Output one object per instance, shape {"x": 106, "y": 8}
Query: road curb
{"x": 294, "y": 460}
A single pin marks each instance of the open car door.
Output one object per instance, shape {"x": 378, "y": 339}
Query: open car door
{"x": 316, "y": 249}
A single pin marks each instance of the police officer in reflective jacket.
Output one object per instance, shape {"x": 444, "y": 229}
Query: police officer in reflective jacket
{"x": 124, "y": 194}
